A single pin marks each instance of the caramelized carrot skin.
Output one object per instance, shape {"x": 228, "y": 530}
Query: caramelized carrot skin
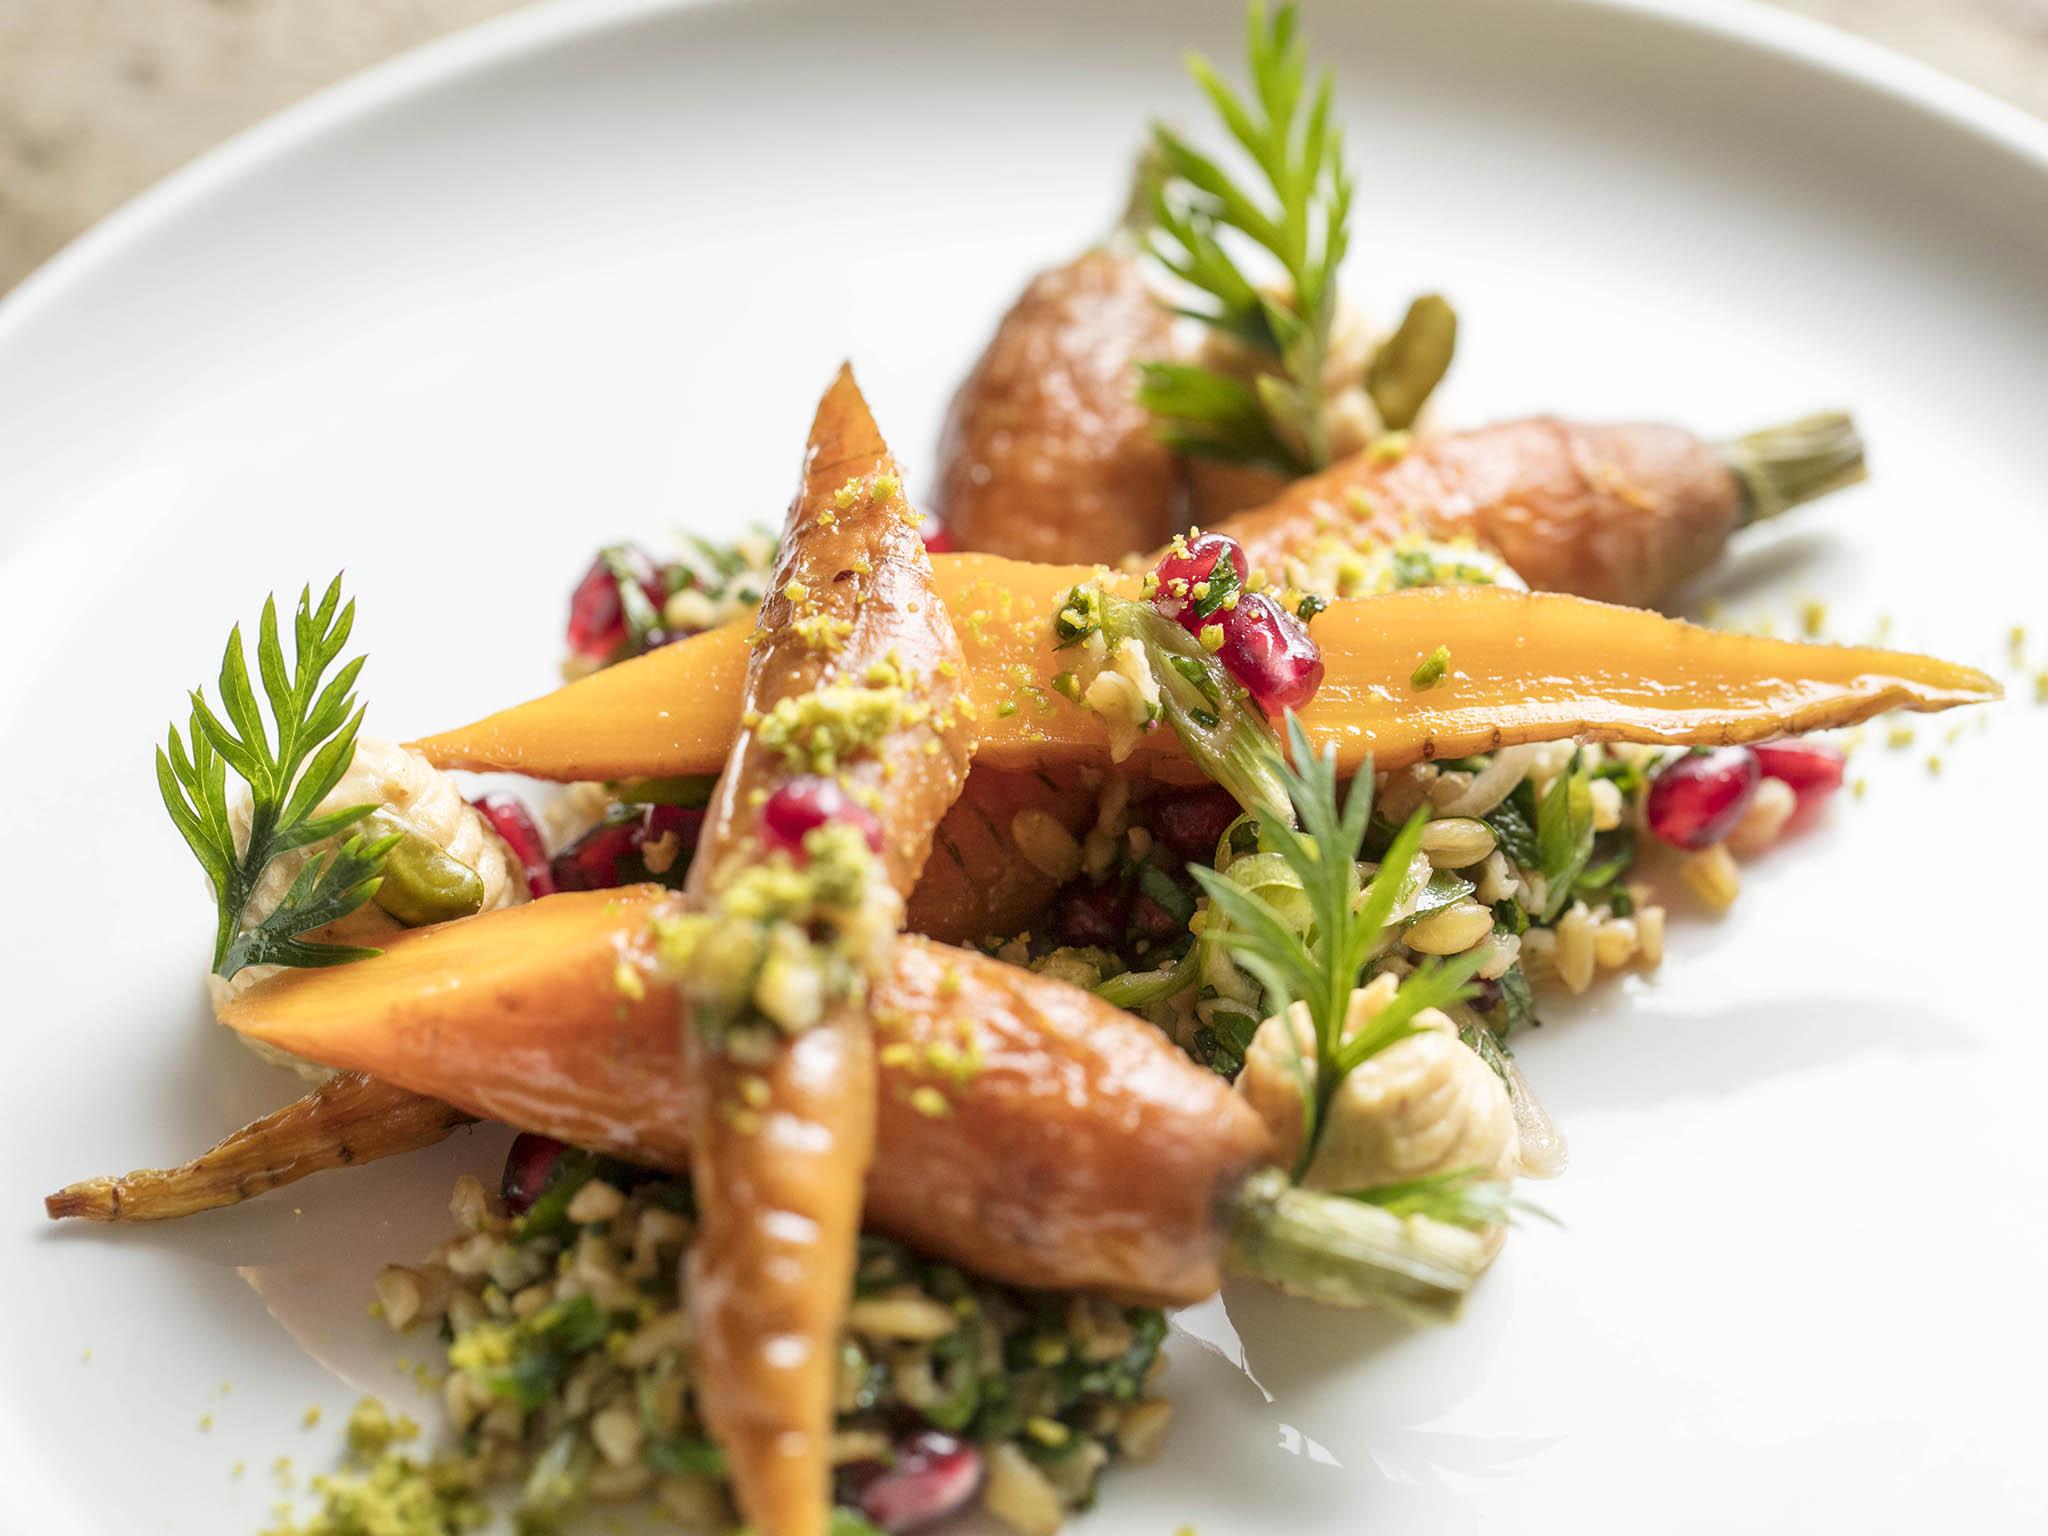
{"x": 862, "y": 566}
{"x": 1618, "y": 513}
{"x": 545, "y": 1017}
{"x": 347, "y": 1120}
{"x": 1100, "y": 1153}
{"x": 1046, "y": 454}
{"x": 1524, "y": 667}
{"x": 781, "y": 1147}
{"x": 977, "y": 883}
{"x": 1085, "y": 1153}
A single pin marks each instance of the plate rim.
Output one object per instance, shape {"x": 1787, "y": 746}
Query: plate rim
{"x": 1755, "y": 25}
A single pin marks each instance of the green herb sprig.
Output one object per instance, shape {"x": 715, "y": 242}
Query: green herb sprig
{"x": 1460, "y": 1197}
{"x": 1322, "y": 966}
{"x": 1300, "y": 216}
{"x": 290, "y": 766}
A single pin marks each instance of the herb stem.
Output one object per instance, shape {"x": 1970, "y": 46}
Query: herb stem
{"x": 1343, "y": 1252}
{"x": 1787, "y": 465}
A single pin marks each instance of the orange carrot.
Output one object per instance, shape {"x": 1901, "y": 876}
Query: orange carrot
{"x": 346, "y": 1121}
{"x": 1046, "y": 453}
{"x": 1621, "y": 513}
{"x": 1026, "y": 1129}
{"x": 1523, "y": 667}
{"x": 783, "y": 1131}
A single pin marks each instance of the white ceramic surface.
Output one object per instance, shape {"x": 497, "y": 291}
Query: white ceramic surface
{"x": 579, "y": 274}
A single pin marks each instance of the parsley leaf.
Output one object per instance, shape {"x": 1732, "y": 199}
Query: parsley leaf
{"x": 290, "y": 764}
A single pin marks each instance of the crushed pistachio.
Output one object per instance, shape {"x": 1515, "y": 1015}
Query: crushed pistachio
{"x": 1433, "y": 668}
{"x": 818, "y": 731}
{"x": 930, "y": 1103}
{"x": 754, "y": 955}
{"x": 372, "y": 1430}
{"x": 1813, "y": 618}
{"x": 627, "y": 980}
{"x": 1899, "y": 736}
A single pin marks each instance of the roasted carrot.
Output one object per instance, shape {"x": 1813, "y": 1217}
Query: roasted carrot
{"x": 1026, "y": 1129}
{"x": 977, "y": 885}
{"x": 1620, "y": 513}
{"x": 348, "y": 1120}
{"x": 853, "y": 691}
{"x": 1523, "y": 667}
{"x": 1046, "y": 454}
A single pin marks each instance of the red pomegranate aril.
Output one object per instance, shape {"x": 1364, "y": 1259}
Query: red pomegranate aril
{"x": 932, "y": 1477}
{"x": 528, "y": 1167}
{"x": 938, "y": 538}
{"x": 1190, "y": 822}
{"x": 1180, "y": 573}
{"x": 1812, "y": 769}
{"x": 1268, "y": 649}
{"x": 597, "y": 619}
{"x": 1094, "y": 914}
{"x": 514, "y": 824}
{"x": 1695, "y": 801}
{"x": 591, "y": 863}
{"x": 803, "y": 805}
{"x": 615, "y": 852}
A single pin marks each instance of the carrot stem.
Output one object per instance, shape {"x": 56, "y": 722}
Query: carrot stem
{"x": 1784, "y": 466}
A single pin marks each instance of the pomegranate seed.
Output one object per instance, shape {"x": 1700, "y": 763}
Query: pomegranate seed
{"x": 597, "y": 620}
{"x": 1086, "y": 913}
{"x": 528, "y": 1167}
{"x": 1149, "y": 920}
{"x": 514, "y": 824}
{"x": 1191, "y": 822}
{"x": 1813, "y": 769}
{"x": 615, "y": 852}
{"x": 1268, "y": 650}
{"x": 932, "y": 1477}
{"x": 1696, "y": 801}
{"x": 1179, "y": 574}
{"x": 938, "y": 538}
{"x": 804, "y": 804}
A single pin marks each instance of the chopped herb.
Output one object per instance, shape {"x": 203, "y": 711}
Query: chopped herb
{"x": 1564, "y": 836}
{"x": 1514, "y": 826}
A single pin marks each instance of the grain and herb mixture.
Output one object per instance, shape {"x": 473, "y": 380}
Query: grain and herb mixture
{"x": 566, "y": 1381}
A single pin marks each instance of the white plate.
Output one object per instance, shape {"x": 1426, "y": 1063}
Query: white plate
{"x": 580, "y": 274}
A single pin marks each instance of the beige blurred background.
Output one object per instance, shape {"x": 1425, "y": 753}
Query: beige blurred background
{"x": 99, "y": 98}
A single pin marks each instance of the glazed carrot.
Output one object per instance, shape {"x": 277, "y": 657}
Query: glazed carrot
{"x": 1523, "y": 667}
{"x": 1074, "y": 1146}
{"x": 346, "y": 1121}
{"x": 977, "y": 884}
{"x": 1622, "y": 513}
{"x": 1026, "y": 1129}
{"x": 1046, "y": 454}
{"x": 851, "y": 716}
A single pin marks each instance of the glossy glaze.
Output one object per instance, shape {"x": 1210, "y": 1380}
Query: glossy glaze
{"x": 1524, "y": 667}
{"x": 1046, "y": 455}
{"x": 1621, "y": 513}
{"x": 1086, "y": 1152}
{"x": 780, "y": 1148}
{"x": 977, "y": 883}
